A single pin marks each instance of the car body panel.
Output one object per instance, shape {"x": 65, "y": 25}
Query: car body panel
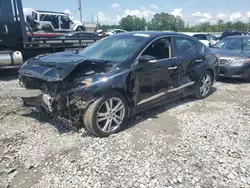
{"x": 228, "y": 55}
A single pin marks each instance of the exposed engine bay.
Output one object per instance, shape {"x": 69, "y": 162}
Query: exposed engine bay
{"x": 75, "y": 79}
{"x": 65, "y": 98}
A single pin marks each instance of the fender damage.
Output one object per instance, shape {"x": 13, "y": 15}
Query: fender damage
{"x": 63, "y": 84}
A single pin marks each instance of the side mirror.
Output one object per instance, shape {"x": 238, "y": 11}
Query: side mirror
{"x": 147, "y": 59}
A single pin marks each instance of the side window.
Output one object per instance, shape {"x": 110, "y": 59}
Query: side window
{"x": 34, "y": 15}
{"x": 208, "y": 37}
{"x": 159, "y": 49}
{"x": 45, "y": 18}
{"x": 235, "y": 44}
{"x": 185, "y": 46}
{"x": 81, "y": 35}
{"x": 246, "y": 44}
{"x": 200, "y": 37}
{"x": 90, "y": 35}
{"x": 213, "y": 37}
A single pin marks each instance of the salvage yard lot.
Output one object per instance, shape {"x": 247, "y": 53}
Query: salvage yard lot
{"x": 188, "y": 143}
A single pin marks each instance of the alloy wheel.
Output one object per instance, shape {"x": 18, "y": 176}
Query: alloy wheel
{"x": 110, "y": 115}
{"x": 205, "y": 84}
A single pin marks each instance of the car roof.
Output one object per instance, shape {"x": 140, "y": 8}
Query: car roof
{"x": 200, "y": 34}
{"x": 239, "y": 36}
{"x": 50, "y": 12}
{"x": 153, "y": 34}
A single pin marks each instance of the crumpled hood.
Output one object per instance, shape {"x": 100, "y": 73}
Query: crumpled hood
{"x": 232, "y": 54}
{"x": 52, "y": 67}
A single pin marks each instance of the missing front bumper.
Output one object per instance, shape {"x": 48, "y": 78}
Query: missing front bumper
{"x": 34, "y": 98}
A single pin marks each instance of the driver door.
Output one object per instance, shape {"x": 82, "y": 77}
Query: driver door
{"x": 154, "y": 80}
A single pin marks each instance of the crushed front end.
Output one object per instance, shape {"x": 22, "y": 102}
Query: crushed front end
{"x": 58, "y": 84}
{"x": 59, "y": 99}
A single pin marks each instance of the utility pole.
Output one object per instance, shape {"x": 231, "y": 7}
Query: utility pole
{"x": 80, "y": 9}
{"x": 248, "y": 25}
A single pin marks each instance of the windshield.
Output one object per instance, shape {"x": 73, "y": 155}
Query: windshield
{"x": 114, "y": 49}
{"x": 230, "y": 43}
{"x": 234, "y": 44}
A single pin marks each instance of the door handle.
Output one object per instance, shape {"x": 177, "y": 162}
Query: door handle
{"x": 198, "y": 60}
{"x": 6, "y": 29}
{"x": 173, "y": 68}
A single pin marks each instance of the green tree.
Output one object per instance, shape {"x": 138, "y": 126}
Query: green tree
{"x": 133, "y": 23}
{"x": 165, "y": 21}
{"x": 239, "y": 26}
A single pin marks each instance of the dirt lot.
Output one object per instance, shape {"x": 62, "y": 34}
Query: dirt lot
{"x": 187, "y": 143}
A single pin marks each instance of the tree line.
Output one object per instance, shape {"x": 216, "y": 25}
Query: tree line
{"x": 166, "y": 22}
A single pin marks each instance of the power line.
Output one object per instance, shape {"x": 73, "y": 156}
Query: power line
{"x": 74, "y": 12}
{"x": 80, "y": 9}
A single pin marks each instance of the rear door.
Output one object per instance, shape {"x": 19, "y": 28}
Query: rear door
{"x": 190, "y": 53}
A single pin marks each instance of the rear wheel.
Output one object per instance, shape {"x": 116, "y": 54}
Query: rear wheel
{"x": 204, "y": 85}
{"x": 106, "y": 115}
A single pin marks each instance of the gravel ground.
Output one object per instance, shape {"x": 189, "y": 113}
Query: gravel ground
{"x": 187, "y": 143}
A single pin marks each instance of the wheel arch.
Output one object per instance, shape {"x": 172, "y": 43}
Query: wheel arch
{"x": 211, "y": 70}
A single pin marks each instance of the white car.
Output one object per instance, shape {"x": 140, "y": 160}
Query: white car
{"x": 114, "y": 31}
{"x": 52, "y": 21}
{"x": 207, "y": 39}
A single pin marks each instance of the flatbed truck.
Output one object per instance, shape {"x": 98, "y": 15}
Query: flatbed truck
{"x": 19, "y": 43}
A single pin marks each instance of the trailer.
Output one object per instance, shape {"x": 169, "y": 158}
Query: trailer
{"x": 18, "y": 42}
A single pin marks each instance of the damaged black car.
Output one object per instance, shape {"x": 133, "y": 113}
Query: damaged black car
{"x": 104, "y": 84}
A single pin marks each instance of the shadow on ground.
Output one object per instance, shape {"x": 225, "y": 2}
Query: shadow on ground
{"x": 8, "y": 74}
{"x": 64, "y": 126}
{"x": 155, "y": 112}
{"x": 233, "y": 80}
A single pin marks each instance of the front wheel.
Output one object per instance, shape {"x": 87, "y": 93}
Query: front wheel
{"x": 106, "y": 115}
{"x": 204, "y": 85}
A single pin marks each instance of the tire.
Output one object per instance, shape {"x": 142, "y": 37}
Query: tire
{"x": 199, "y": 93}
{"x": 47, "y": 28}
{"x": 99, "y": 107}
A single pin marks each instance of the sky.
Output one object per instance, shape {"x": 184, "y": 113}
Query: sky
{"x": 110, "y": 11}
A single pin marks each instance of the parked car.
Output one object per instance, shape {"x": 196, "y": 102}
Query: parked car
{"x": 80, "y": 34}
{"x": 101, "y": 33}
{"x": 207, "y": 39}
{"x": 52, "y": 22}
{"x": 235, "y": 57}
{"x": 118, "y": 76}
{"x": 114, "y": 31}
{"x": 228, "y": 33}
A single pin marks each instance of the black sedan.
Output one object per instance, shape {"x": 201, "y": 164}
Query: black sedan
{"x": 235, "y": 57}
{"x": 118, "y": 76}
